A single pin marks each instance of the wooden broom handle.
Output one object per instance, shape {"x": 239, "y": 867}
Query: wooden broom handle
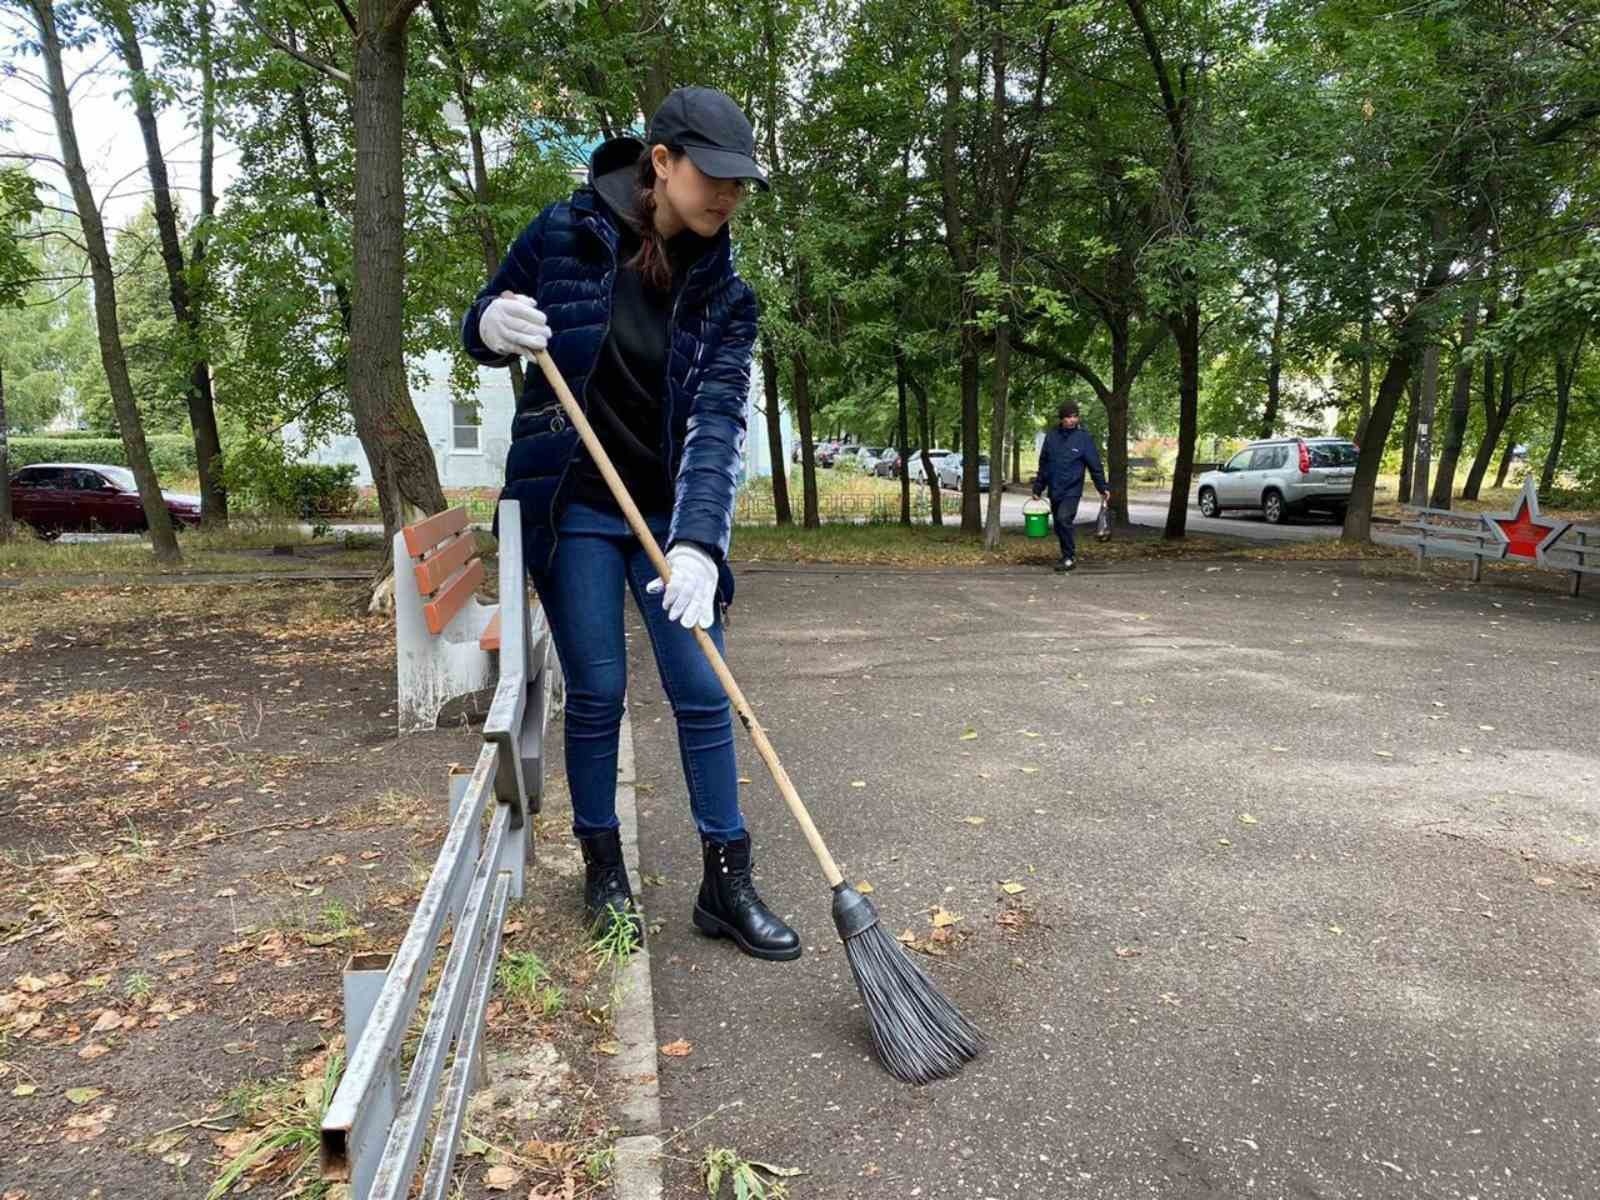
{"x": 636, "y": 522}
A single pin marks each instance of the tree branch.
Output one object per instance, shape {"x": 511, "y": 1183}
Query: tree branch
{"x": 300, "y": 56}
{"x": 1066, "y": 362}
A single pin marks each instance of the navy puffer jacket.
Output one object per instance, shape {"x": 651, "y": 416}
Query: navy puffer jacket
{"x": 567, "y": 261}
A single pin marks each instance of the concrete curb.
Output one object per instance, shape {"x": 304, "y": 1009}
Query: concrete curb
{"x": 638, "y": 1171}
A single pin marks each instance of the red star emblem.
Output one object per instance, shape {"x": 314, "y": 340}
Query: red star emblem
{"x": 1525, "y": 531}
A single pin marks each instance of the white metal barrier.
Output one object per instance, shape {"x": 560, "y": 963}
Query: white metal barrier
{"x": 374, "y": 1129}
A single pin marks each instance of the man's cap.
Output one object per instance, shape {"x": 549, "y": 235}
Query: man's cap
{"x": 708, "y": 126}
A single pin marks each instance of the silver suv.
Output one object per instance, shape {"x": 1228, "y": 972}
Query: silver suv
{"x": 1283, "y": 476}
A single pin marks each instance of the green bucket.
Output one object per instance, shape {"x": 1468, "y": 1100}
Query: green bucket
{"x": 1036, "y": 521}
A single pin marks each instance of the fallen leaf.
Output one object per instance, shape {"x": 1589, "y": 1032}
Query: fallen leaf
{"x": 226, "y": 977}
{"x": 941, "y": 918}
{"x": 744, "y": 779}
{"x": 971, "y": 735}
{"x": 974, "y": 820}
{"x": 1247, "y": 819}
{"x": 167, "y": 956}
{"x": 865, "y": 888}
{"x": 166, "y": 1142}
{"x": 609, "y": 1049}
{"x": 1011, "y": 889}
{"x": 25, "y": 1089}
{"x": 31, "y": 983}
{"x": 1029, "y": 770}
{"x": 1224, "y": 842}
{"x": 86, "y": 1126}
{"x": 178, "y": 1158}
{"x": 908, "y": 938}
{"x": 858, "y": 783}
{"x": 94, "y": 1051}
{"x": 224, "y": 893}
{"x": 1384, "y": 753}
{"x": 110, "y": 1019}
{"x": 501, "y": 1178}
{"x": 1128, "y": 952}
{"x": 1543, "y": 881}
{"x": 678, "y": 1049}
{"x": 82, "y": 1095}
{"x": 1336, "y": 930}
{"x": 780, "y": 1172}
{"x": 369, "y": 855}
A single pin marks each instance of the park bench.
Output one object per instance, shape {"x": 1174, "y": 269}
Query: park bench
{"x": 401, "y": 1090}
{"x": 1576, "y": 551}
{"x": 446, "y": 639}
{"x": 1441, "y": 533}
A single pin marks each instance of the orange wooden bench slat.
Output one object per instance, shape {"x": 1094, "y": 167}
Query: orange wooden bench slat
{"x": 490, "y": 640}
{"x": 455, "y": 593}
{"x": 444, "y": 562}
{"x": 428, "y": 533}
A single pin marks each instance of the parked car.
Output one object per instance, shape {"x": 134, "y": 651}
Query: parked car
{"x": 827, "y": 452}
{"x": 59, "y": 497}
{"x": 1282, "y": 476}
{"x": 915, "y": 470}
{"x": 867, "y": 457}
{"x": 952, "y": 468}
{"x": 888, "y": 464}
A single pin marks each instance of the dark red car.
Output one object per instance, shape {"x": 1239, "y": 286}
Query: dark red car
{"x": 60, "y": 497}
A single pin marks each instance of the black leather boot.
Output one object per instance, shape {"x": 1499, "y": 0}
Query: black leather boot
{"x": 605, "y": 882}
{"x": 728, "y": 905}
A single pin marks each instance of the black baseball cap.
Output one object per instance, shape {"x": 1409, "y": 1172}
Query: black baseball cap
{"x": 708, "y": 126}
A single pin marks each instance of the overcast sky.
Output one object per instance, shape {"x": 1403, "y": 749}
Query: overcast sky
{"x": 108, "y": 134}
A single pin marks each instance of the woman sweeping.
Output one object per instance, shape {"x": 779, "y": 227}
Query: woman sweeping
{"x": 630, "y": 286}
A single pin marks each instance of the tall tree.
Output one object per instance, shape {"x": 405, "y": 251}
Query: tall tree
{"x": 54, "y": 28}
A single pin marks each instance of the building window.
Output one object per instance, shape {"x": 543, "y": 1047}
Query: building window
{"x": 464, "y": 427}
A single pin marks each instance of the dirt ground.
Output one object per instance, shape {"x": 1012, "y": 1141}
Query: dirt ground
{"x": 203, "y": 810}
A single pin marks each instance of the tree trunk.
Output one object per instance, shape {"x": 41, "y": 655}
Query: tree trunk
{"x": 1495, "y": 417}
{"x": 925, "y": 436}
{"x": 1428, "y": 396}
{"x": 5, "y": 465}
{"x": 1269, "y": 418}
{"x": 780, "y": 464}
{"x": 403, "y": 467}
{"x": 1412, "y": 332}
{"x": 1186, "y": 332}
{"x": 112, "y": 358}
{"x": 901, "y": 433}
{"x": 1117, "y": 421}
{"x": 202, "y": 407}
{"x": 961, "y": 259}
{"x": 1565, "y": 370}
{"x": 1366, "y": 373}
{"x": 808, "y": 461}
{"x": 1455, "y": 434}
{"x": 1505, "y": 457}
{"x": 319, "y": 195}
{"x": 1408, "y": 448}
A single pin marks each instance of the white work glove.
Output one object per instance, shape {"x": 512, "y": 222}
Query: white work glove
{"x": 513, "y": 325}
{"x": 691, "y": 592}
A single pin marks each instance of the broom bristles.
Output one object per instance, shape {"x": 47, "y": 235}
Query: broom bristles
{"x": 919, "y": 1035}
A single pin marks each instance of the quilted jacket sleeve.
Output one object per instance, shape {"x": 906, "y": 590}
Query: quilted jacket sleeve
{"x": 713, "y": 448}
{"x": 519, "y": 272}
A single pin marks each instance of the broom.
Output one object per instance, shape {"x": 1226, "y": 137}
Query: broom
{"x": 918, "y": 1034}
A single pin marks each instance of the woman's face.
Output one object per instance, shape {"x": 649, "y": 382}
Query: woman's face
{"x": 687, "y": 198}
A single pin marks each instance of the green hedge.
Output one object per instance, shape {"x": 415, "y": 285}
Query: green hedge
{"x": 171, "y": 454}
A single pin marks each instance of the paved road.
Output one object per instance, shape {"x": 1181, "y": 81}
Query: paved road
{"x": 1311, "y": 863}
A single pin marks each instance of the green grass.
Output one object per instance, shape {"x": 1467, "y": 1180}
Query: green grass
{"x": 289, "y": 1113}
{"x": 524, "y": 978}
{"x": 238, "y": 551}
{"x": 945, "y": 546}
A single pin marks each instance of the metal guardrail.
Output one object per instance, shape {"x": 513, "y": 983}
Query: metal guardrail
{"x": 375, "y": 1127}
{"x": 1444, "y": 532}
{"x": 1577, "y": 552}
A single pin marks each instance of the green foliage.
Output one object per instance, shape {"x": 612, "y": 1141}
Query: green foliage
{"x": 171, "y": 454}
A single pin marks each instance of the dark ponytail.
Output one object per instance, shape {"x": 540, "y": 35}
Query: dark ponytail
{"x": 651, "y": 261}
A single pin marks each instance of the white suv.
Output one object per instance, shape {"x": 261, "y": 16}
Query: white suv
{"x": 1283, "y": 476}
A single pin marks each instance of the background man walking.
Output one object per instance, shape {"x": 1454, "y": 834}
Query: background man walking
{"x": 1068, "y": 452}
